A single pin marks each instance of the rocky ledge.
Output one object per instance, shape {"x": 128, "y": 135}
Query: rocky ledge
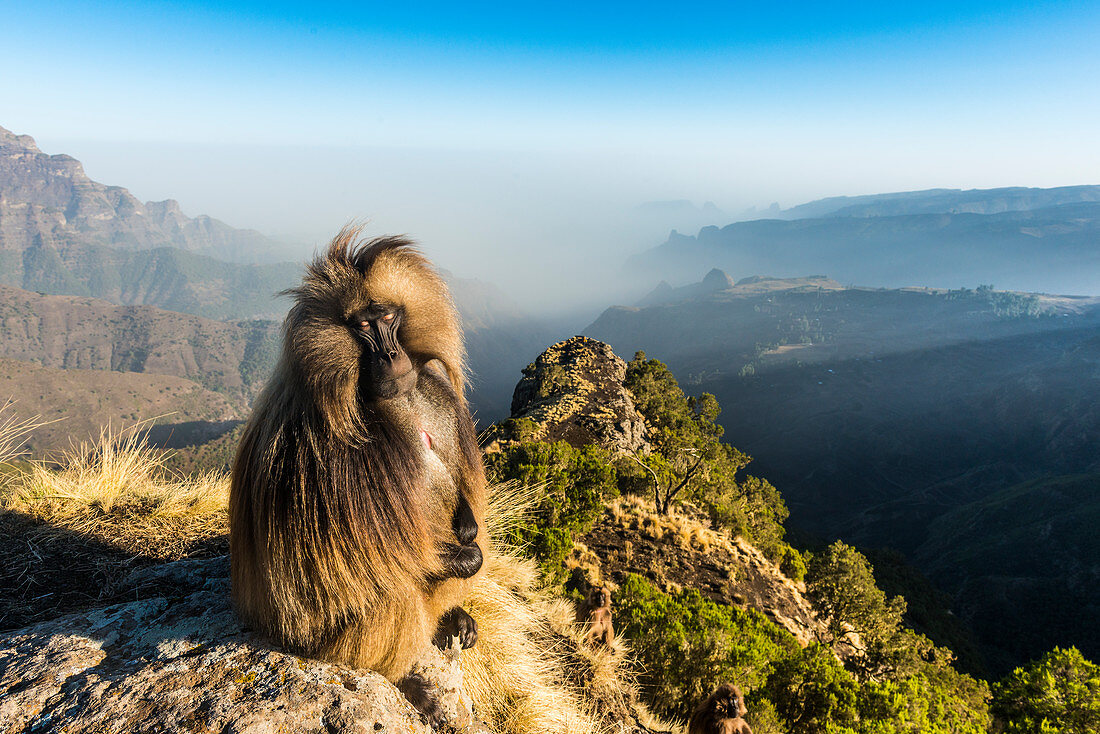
{"x": 183, "y": 662}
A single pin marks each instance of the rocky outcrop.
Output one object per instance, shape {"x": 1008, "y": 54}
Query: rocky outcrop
{"x": 183, "y": 662}
{"x": 683, "y": 551}
{"x": 574, "y": 393}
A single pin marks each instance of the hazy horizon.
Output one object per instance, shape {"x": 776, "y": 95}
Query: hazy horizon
{"x": 517, "y": 144}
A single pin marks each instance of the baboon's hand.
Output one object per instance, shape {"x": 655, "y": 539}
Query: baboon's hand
{"x": 461, "y": 561}
{"x": 456, "y": 623}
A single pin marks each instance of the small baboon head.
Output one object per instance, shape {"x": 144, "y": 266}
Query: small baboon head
{"x": 599, "y": 597}
{"x": 728, "y": 702}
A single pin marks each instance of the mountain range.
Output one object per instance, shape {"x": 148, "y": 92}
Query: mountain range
{"x": 1039, "y": 240}
{"x": 48, "y": 201}
{"x": 63, "y": 234}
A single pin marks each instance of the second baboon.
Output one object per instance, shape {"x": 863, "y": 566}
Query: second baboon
{"x": 595, "y": 613}
{"x": 721, "y": 713}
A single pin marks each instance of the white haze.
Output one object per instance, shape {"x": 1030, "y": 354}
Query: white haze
{"x": 551, "y": 229}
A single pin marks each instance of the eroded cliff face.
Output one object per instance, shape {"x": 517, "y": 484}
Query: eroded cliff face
{"x": 48, "y": 201}
{"x": 574, "y": 393}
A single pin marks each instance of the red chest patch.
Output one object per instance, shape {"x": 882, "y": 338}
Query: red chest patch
{"x": 426, "y": 438}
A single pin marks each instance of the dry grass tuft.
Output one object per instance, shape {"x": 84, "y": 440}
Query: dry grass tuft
{"x": 638, "y": 513}
{"x": 117, "y": 490}
{"x": 519, "y": 674}
{"x": 14, "y": 432}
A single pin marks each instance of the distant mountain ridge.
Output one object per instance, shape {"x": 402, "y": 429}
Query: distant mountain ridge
{"x": 716, "y": 328}
{"x": 717, "y": 281}
{"x": 942, "y": 201}
{"x": 48, "y": 201}
{"x": 1055, "y": 249}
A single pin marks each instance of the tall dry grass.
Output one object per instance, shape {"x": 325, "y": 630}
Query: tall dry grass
{"x": 117, "y": 490}
{"x": 14, "y": 432}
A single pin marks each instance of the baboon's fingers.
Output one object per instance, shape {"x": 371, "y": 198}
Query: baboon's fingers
{"x": 456, "y": 623}
{"x": 461, "y": 561}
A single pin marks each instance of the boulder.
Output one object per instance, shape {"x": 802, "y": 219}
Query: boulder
{"x": 182, "y": 661}
{"x": 574, "y": 393}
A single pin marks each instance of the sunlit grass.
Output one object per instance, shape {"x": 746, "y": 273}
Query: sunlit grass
{"x": 14, "y": 432}
{"x": 117, "y": 489}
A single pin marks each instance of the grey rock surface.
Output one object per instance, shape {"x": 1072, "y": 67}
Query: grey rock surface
{"x": 181, "y": 662}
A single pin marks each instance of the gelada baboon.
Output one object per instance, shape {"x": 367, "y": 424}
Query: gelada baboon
{"x": 721, "y": 713}
{"x": 358, "y": 490}
{"x": 595, "y": 613}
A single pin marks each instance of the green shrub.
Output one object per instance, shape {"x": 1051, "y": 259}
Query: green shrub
{"x": 812, "y": 693}
{"x": 575, "y": 483}
{"x": 1059, "y": 692}
{"x": 687, "y": 645}
{"x": 792, "y": 564}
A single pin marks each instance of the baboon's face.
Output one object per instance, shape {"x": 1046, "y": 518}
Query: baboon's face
{"x": 385, "y": 368}
{"x": 601, "y": 597}
{"x": 729, "y": 704}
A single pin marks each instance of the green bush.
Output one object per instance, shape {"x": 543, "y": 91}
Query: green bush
{"x": 575, "y": 483}
{"x": 812, "y": 693}
{"x": 687, "y": 645}
{"x": 791, "y": 564}
{"x": 1058, "y": 693}
{"x": 689, "y": 460}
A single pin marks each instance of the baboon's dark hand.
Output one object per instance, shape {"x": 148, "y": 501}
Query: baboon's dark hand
{"x": 456, "y": 623}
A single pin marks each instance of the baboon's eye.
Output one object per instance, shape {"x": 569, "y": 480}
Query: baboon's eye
{"x": 388, "y": 317}
{"x": 364, "y": 324}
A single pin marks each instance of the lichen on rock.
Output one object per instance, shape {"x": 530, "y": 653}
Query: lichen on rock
{"x": 574, "y": 393}
{"x": 186, "y": 664}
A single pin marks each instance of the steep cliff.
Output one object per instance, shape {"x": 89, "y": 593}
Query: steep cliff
{"x": 48, "y": 200}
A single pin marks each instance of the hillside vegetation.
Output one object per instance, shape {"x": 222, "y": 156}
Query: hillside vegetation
{"x": 830, "y": 655}
{"x": 879, "y": 411}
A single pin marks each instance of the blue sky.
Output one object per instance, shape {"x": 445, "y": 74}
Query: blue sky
{"x": 510, "y": 114}
{"x": 545, "y": 75}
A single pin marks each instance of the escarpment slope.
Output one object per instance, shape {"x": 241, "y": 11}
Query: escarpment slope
{"x": 575, "y": 392}
{"x": 49, "y": 201}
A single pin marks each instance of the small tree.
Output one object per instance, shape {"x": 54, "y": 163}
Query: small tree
{"x": 1059, "y": 692}
{"x": 841, "y": 584}
{"x": 684, "y": 433}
